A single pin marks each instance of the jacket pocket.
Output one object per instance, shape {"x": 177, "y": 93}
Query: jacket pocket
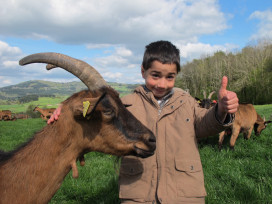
{"x": 131, "y": 181}
{"x": 131, "y": 168}
{"x": 190, "y": 179}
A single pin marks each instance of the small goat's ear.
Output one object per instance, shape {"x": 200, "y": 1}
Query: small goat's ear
{"x": 198, "y": 100}
{"x": 86, "y": 106}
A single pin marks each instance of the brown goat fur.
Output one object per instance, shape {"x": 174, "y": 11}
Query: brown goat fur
{"x": 246, "y": 119}
{"x": 34, "y": 172}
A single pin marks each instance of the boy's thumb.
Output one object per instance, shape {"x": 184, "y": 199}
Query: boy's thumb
{"x": 223, "y": 88}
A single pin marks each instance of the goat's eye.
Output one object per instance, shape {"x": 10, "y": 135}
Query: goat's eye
{"x": 108, "y": 112}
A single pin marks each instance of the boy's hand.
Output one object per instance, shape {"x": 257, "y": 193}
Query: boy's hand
{"x": 55, "y": 115}
{"x": 227, "y": 100}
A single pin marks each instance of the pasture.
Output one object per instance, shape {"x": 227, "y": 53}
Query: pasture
{"x": 43, "y": 102}
{"x": 240, "y": 176}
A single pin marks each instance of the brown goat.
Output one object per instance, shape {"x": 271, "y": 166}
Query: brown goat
{"x": 246, "y": 118}
{"x": 5, "y": 115}
{"x": 20, "y": 116}
{"x": 34, "y": 172}
{"x": 45, "y": 112}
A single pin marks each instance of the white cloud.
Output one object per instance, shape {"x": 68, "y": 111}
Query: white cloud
{"x": 10, "y": 64}
{"x": 265, "y": 25}
{"x": 6, "y": 50}
{"x": 111, "y": 21}
{"x": 122, "y": 51}
{"x": 118, "y": 57}
{"x": 6, "y": 82}
{"x": 97, "y": 46}
{"x": 120, "y": 29}
{"x": 111, "y": 75}
{"x": 196, "y": 50}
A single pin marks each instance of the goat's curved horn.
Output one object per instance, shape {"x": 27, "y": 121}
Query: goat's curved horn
{"x": 86, "y": 73}
{"x": 204, "y": 94}
{"x": 210, "y": 95}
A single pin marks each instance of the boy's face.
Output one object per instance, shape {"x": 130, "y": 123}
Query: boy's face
{"x": 160, "y": 78}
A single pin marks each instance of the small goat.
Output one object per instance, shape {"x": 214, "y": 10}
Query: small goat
{"x": 206, "y": 102}
{"x": 246, "y": 118}
{"x": 45, "y": 113}
{"x": 91, "y": 120}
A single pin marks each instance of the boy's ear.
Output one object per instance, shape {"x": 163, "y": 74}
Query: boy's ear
{"x": 85, "y": 107}
{"x": 143, "y": 71}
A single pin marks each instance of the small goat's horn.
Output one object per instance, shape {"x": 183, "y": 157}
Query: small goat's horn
{"x": 204, "y": 94}
{"x": 210, "y": 95}
{"x": 86, "y": 73}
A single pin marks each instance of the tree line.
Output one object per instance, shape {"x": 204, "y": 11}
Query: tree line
{"x": 249, "y": 72}
{"x": 29, "y": 98}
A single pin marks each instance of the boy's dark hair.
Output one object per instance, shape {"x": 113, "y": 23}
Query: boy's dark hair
{"x": 162, "y": 51}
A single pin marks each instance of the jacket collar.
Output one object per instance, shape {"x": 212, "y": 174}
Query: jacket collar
{"x": 171, "y": 97}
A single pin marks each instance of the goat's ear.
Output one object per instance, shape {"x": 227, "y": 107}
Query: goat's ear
{"x": 198, "y": 100}
{"x": 269, "y": 121}
{"x": 85, "y": 106}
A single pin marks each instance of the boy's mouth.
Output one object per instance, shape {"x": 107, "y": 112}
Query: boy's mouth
{"x": 160, "y": 91}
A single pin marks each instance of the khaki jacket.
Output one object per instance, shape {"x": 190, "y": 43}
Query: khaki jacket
{"x": 174, "y": 173}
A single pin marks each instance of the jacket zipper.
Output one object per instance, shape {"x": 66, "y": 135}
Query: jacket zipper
{"x": 158, "y": 153}
{"x": 159, "y": 111}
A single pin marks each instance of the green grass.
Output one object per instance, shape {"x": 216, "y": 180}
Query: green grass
{"x": 43, "y": 102}
{"x": 241, "y": 176}
{"x": 97, "y": 182}
{"x": 13, "y": 133}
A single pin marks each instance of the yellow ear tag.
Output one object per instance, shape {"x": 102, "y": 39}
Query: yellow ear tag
{"x": 86, "y": 105}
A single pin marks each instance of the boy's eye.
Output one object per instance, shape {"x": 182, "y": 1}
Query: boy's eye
{"x": 155, "y": 75}
{"x": 170, "y": 77}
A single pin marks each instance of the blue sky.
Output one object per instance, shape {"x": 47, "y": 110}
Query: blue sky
{"x": 111, "y": 35}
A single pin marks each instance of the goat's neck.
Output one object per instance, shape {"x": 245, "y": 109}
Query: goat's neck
{"x": 36, "y": 172}
{"x": 42, "y": 111}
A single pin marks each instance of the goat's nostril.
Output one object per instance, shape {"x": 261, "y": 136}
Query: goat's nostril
{"x": 152, "y": 139}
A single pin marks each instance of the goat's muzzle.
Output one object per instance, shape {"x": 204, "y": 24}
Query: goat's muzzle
{"x": 146, "y": 148}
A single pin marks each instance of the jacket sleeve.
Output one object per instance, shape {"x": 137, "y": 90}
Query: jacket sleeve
{"x": 207, "y": 123}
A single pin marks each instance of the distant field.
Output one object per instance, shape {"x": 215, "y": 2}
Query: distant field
{"x": 242, "y": 176}
{"x": 53, "y": 102}
{"x": 43, "y": 102}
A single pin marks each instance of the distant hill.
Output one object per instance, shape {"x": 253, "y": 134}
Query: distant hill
{"x": 47, "y": 88}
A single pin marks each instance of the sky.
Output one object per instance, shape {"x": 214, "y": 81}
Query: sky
{"x": 111, "y": 35}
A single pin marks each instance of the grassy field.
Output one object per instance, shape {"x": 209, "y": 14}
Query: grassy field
{"x": 43, "y": 102}
{"x": 240, "y": 176}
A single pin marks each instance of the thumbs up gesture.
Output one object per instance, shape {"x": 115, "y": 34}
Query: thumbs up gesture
{"x": 227, "y": 100}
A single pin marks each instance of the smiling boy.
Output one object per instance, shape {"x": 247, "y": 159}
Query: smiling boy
{"x": 174, "y": 173}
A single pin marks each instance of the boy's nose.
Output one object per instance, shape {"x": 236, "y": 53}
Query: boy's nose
{"x": 162, "y": 83}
